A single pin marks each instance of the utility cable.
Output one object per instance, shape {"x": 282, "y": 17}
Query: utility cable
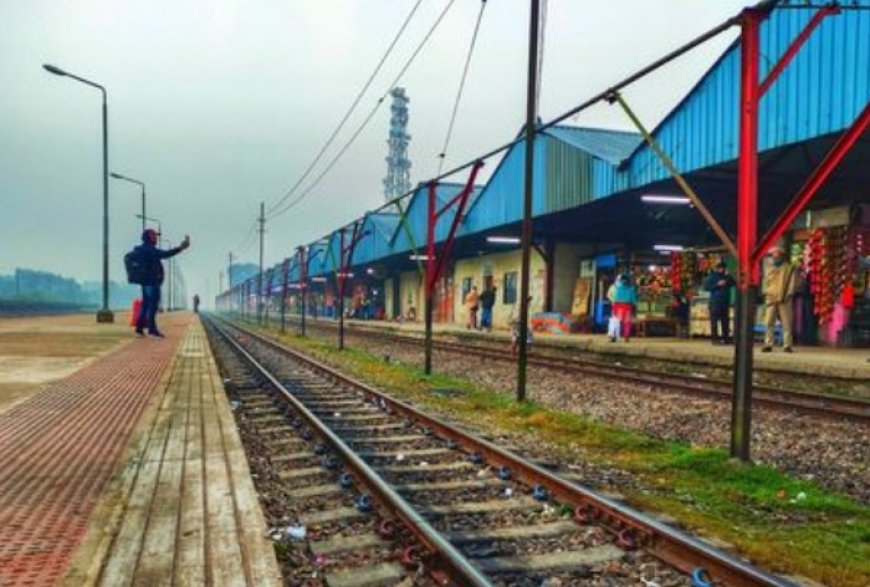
{"x": 368, "y": 118}
{"x": 447, "y": 138}
{"x": 247, "y": 241}
{"x": 350, "y": 111}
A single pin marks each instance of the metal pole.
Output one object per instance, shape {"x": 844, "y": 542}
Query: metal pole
{"x": 429, "y": 283}
{"x": 531, "y": 112}
{"x": 143, "y": 207}
{"x": 285, "y": 277}
{"x": 341, "y": 292}
{"x": 262, "y": 221}
{"x": 230, "y": 280}
{"x": 747, "y": 194}
{"x": 105, "y": 314}
{"x": 303, "y": 283}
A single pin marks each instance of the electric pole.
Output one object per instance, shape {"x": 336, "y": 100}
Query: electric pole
{"x": 230, "y": 279}
{"x": 262, "y": 221}
{"x": 531, "y": 111}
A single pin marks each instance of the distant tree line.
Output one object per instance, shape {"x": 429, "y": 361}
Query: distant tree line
{"x": 34, "y": 287}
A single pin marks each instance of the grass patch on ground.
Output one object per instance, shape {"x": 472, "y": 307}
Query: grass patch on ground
{"x": 784, "y": 524}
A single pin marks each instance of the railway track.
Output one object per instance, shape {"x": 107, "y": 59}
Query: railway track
{"x": 828, "y": 406}
{"x": 378, "y": 479}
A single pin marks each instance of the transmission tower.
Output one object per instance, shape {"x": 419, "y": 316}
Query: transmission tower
{"x": 398, "y": 180}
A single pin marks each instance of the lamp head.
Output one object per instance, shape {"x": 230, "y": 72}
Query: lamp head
{"x": 53, "y": 69}
{"x": 117, "y": 175}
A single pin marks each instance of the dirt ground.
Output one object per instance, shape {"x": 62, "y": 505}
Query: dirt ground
{"x": 35, "y": 352}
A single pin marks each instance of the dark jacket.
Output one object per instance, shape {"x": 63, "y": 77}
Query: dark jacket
{"x": 720, "y": 295}
{"x": 487, "y": 298}
{"x": 153, "y": 267}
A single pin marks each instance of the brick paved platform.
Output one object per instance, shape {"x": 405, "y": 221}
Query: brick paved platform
{"x": 183, "y": 509}
{"x": 108, "y": 449}
{"x": 59, "y": 448}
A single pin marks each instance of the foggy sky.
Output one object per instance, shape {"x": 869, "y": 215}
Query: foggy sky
{"x": 219, "y": 104}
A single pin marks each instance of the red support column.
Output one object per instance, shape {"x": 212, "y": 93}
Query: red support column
{"x": 431, "y": 277}
{"x": 747, "y": 206}
{"x": 303, "y": 283}
{"x": 285, "y": 269}
{"x": 341, "y": 290}
{"x": 434, "y": 267}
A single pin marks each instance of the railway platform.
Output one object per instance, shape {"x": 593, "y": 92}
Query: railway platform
{"x": 849, "y": 363}
{"x": 129, "y": 470}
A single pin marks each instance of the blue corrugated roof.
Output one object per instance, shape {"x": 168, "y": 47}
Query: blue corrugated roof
{"x": 820, "y": 92}
{"x": 613, "y": 146}
{"x": 384, "y": 223}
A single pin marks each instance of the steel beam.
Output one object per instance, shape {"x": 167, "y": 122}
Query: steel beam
{"x": 795, "y": 46}
{"x": 435, "y": 266}
{"x": 747, "y": 210}
{"x": 812, "y": 185}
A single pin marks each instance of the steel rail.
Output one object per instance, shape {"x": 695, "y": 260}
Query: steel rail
{"x": 677, "y": 549}
{"x": 824, "y": 405}
{"x": 450, "y": 558}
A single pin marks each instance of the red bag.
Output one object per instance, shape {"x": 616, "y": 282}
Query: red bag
{"x": 134, "y": 315}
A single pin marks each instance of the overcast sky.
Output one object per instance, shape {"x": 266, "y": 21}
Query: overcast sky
{"x": 219, "y": 104}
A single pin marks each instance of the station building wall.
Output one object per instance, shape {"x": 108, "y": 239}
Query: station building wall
{"x": 411, "y": 291}
{"x": 499, "y": 266}
{"x": 387, "y": 284}
{"x": 566, "y": 270}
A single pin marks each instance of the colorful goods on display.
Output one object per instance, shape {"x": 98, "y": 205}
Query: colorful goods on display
{"x": 682, "y": 272}
{"x": 555, "y": 322}
{"x": 654, "y": 282}
{"x": 828, "y": 258}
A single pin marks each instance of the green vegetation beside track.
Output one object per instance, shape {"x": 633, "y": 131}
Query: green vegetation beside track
{"x": 786, "y": 525}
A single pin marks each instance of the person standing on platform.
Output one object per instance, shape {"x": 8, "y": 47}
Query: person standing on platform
{"x": 472, "y": 301}
{"x": 779, "y": 288}
{"x": 152, "y": 279}
{"x": 487, "y": 301}
{"x": 720, "y": 284}
{"x": 196, "y": 303}
{"x": 623, "y": 297}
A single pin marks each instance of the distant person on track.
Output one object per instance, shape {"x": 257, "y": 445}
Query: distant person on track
{"x": 472, "y": 301}
{"x": 720, "y": 284}
{"x": 152, "y": 279}
{"x": 780, "y": 283}
{"x": 196, "y": 303}
{"x": 623, "y": 297}
{"x": 487, "y": 301}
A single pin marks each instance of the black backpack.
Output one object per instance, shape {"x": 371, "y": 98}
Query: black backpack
{"x": 134, "y": 263}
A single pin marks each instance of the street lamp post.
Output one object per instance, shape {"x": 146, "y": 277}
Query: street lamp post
{"x": 105, "y": 315}
{"x": 142, "y": 185}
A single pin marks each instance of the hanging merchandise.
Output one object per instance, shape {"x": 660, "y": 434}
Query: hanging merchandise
{"x": 676, "y": 270}
{"x": 684, "y": 267}
{"x": 826, "y": 254}
{"x": 656, "y": 280}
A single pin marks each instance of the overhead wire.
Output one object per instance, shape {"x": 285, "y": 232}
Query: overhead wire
{"x": 443, "y": 154}
{"x": 349, "y": 112}
{"x": 246, "y": 241}
{"x": 368, "y": 118}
